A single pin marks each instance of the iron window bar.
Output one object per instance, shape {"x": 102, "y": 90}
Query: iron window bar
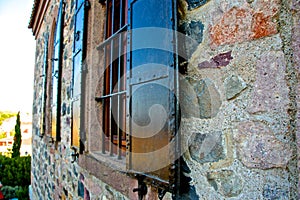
{"x": 113, "y": 36}
{"x": 112, "y": 99}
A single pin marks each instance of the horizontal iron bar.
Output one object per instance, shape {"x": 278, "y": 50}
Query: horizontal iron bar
{"x": 112, "y": 37}
{"x": 109, "y": 95}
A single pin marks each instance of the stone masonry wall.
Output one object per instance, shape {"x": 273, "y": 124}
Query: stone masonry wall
{"x": 240, "y": 97}
{"x": 239, "y": 119}
{"x": 54, "y": 176}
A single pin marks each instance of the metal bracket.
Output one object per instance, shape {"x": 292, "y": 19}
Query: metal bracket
{"x": 102, "y": 1}
{"x": 142, "y": 187}
{"x": 161, "y": 193}
{"x": 74, "y": 155}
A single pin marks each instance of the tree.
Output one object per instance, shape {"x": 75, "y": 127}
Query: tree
{"x": 17, "y": 138}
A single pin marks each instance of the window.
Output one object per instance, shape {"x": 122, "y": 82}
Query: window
{"x": 56, "y": 75}
{"x": 114, "y": 91}
{"x": 44, "y": 89}
{"x": 78, "y": 79}
{"x": 140, "y": 77}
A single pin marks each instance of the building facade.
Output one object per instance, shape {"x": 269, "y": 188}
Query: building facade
{"x": 172, "y": 99}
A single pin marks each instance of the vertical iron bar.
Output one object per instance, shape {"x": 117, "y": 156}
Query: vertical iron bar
{"x": 110, "y": 99}
{"x": 119, "y": 98}
{"x": 112, "y": 16}
{"x": 121, "y": 13}
{"x": 104, "y": 88}
{"x": 104, "y": 104}
{"x": 177, "y": 115}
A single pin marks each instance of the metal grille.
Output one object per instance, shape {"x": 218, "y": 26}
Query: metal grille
{"x": 114, "y": 93}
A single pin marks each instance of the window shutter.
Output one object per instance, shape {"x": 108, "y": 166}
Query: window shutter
{"x": 151, "y": 87}
{"x": 78, "y": 76}
{"x": 56, "y": 75}
{"x": 44, "y": 88}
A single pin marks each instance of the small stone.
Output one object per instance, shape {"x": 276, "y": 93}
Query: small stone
{"x": 226, "y": 182}
{"x": 192, "y": 37}
{"x": 234, "y": 85}
{"x": 208, "y": 97}
{"x": 274, "y": 191}
{"x": 196, "y": 3}
{"x": 207, "y": 147}
{"x": 259, "y": 148}
{"x": 189, "y": 106}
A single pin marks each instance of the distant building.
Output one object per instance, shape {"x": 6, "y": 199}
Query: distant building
{"x": 8, "y": 127}
{"x": 166, "y": 99}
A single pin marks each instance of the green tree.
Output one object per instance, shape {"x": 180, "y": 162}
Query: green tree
{"x": 17, "y": 138}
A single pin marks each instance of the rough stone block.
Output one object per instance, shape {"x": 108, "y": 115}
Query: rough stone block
{"x": 207, "y": 148}
{"x": 245, "y": 23}
{"x": 208, "y": 97}
{"x": 226, "y": 182}
{"x": 259, "y": 148}
{"x": 270, "y": 89}
{"x": 196, "y": 3}
{"x": 188, "y": 100}
{"x": 191, "y": 38}
{"x": 234, "y": 85}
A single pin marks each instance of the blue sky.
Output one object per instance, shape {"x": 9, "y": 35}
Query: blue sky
{"x": 17, "y": 54}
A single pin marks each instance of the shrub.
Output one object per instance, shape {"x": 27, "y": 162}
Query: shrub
{"x": 15, "y": 171}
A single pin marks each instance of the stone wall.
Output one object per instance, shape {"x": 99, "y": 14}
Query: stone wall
{"x": 240, "y": 119}
{"x": 239, "y": 100}
{"x": 54, "y": 176}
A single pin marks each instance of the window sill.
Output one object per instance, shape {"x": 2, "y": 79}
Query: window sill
{"x": 110, "y": 171}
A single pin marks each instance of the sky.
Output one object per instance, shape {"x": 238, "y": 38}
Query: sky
{"x": 17, "y": 54}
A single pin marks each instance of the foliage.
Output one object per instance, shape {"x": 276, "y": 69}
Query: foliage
{"x": 15, "y": 171}
{"x": 17, "y": 138}
{"x": 10, "y": 192}
{"x": 3, "y": 135}
{"x": 5, "y": 115}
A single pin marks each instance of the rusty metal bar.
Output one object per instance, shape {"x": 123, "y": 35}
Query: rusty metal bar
{"x": 119, "y": 97}
{"x": 110, "y": 91}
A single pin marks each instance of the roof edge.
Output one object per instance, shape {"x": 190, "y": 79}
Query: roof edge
{"x": 33, "y": 13}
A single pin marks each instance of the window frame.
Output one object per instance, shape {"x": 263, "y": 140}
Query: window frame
{"x": 93, "y": 158}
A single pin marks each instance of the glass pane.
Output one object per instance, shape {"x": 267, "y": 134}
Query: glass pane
{"x": 77, "y": 75}
{"x": 53, "y": 121}
{"x": 78, "y": 35}
{"x": 76, "y": 123}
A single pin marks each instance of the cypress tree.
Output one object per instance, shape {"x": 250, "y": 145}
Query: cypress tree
{"x": 17, "y": 138}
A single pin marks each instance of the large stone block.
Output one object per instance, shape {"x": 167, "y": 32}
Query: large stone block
{"x": 240, "y": 24}
{"x": 257, "y": 147}
{"x": 270, "y": 89}
{"x": 207, "y": 148}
